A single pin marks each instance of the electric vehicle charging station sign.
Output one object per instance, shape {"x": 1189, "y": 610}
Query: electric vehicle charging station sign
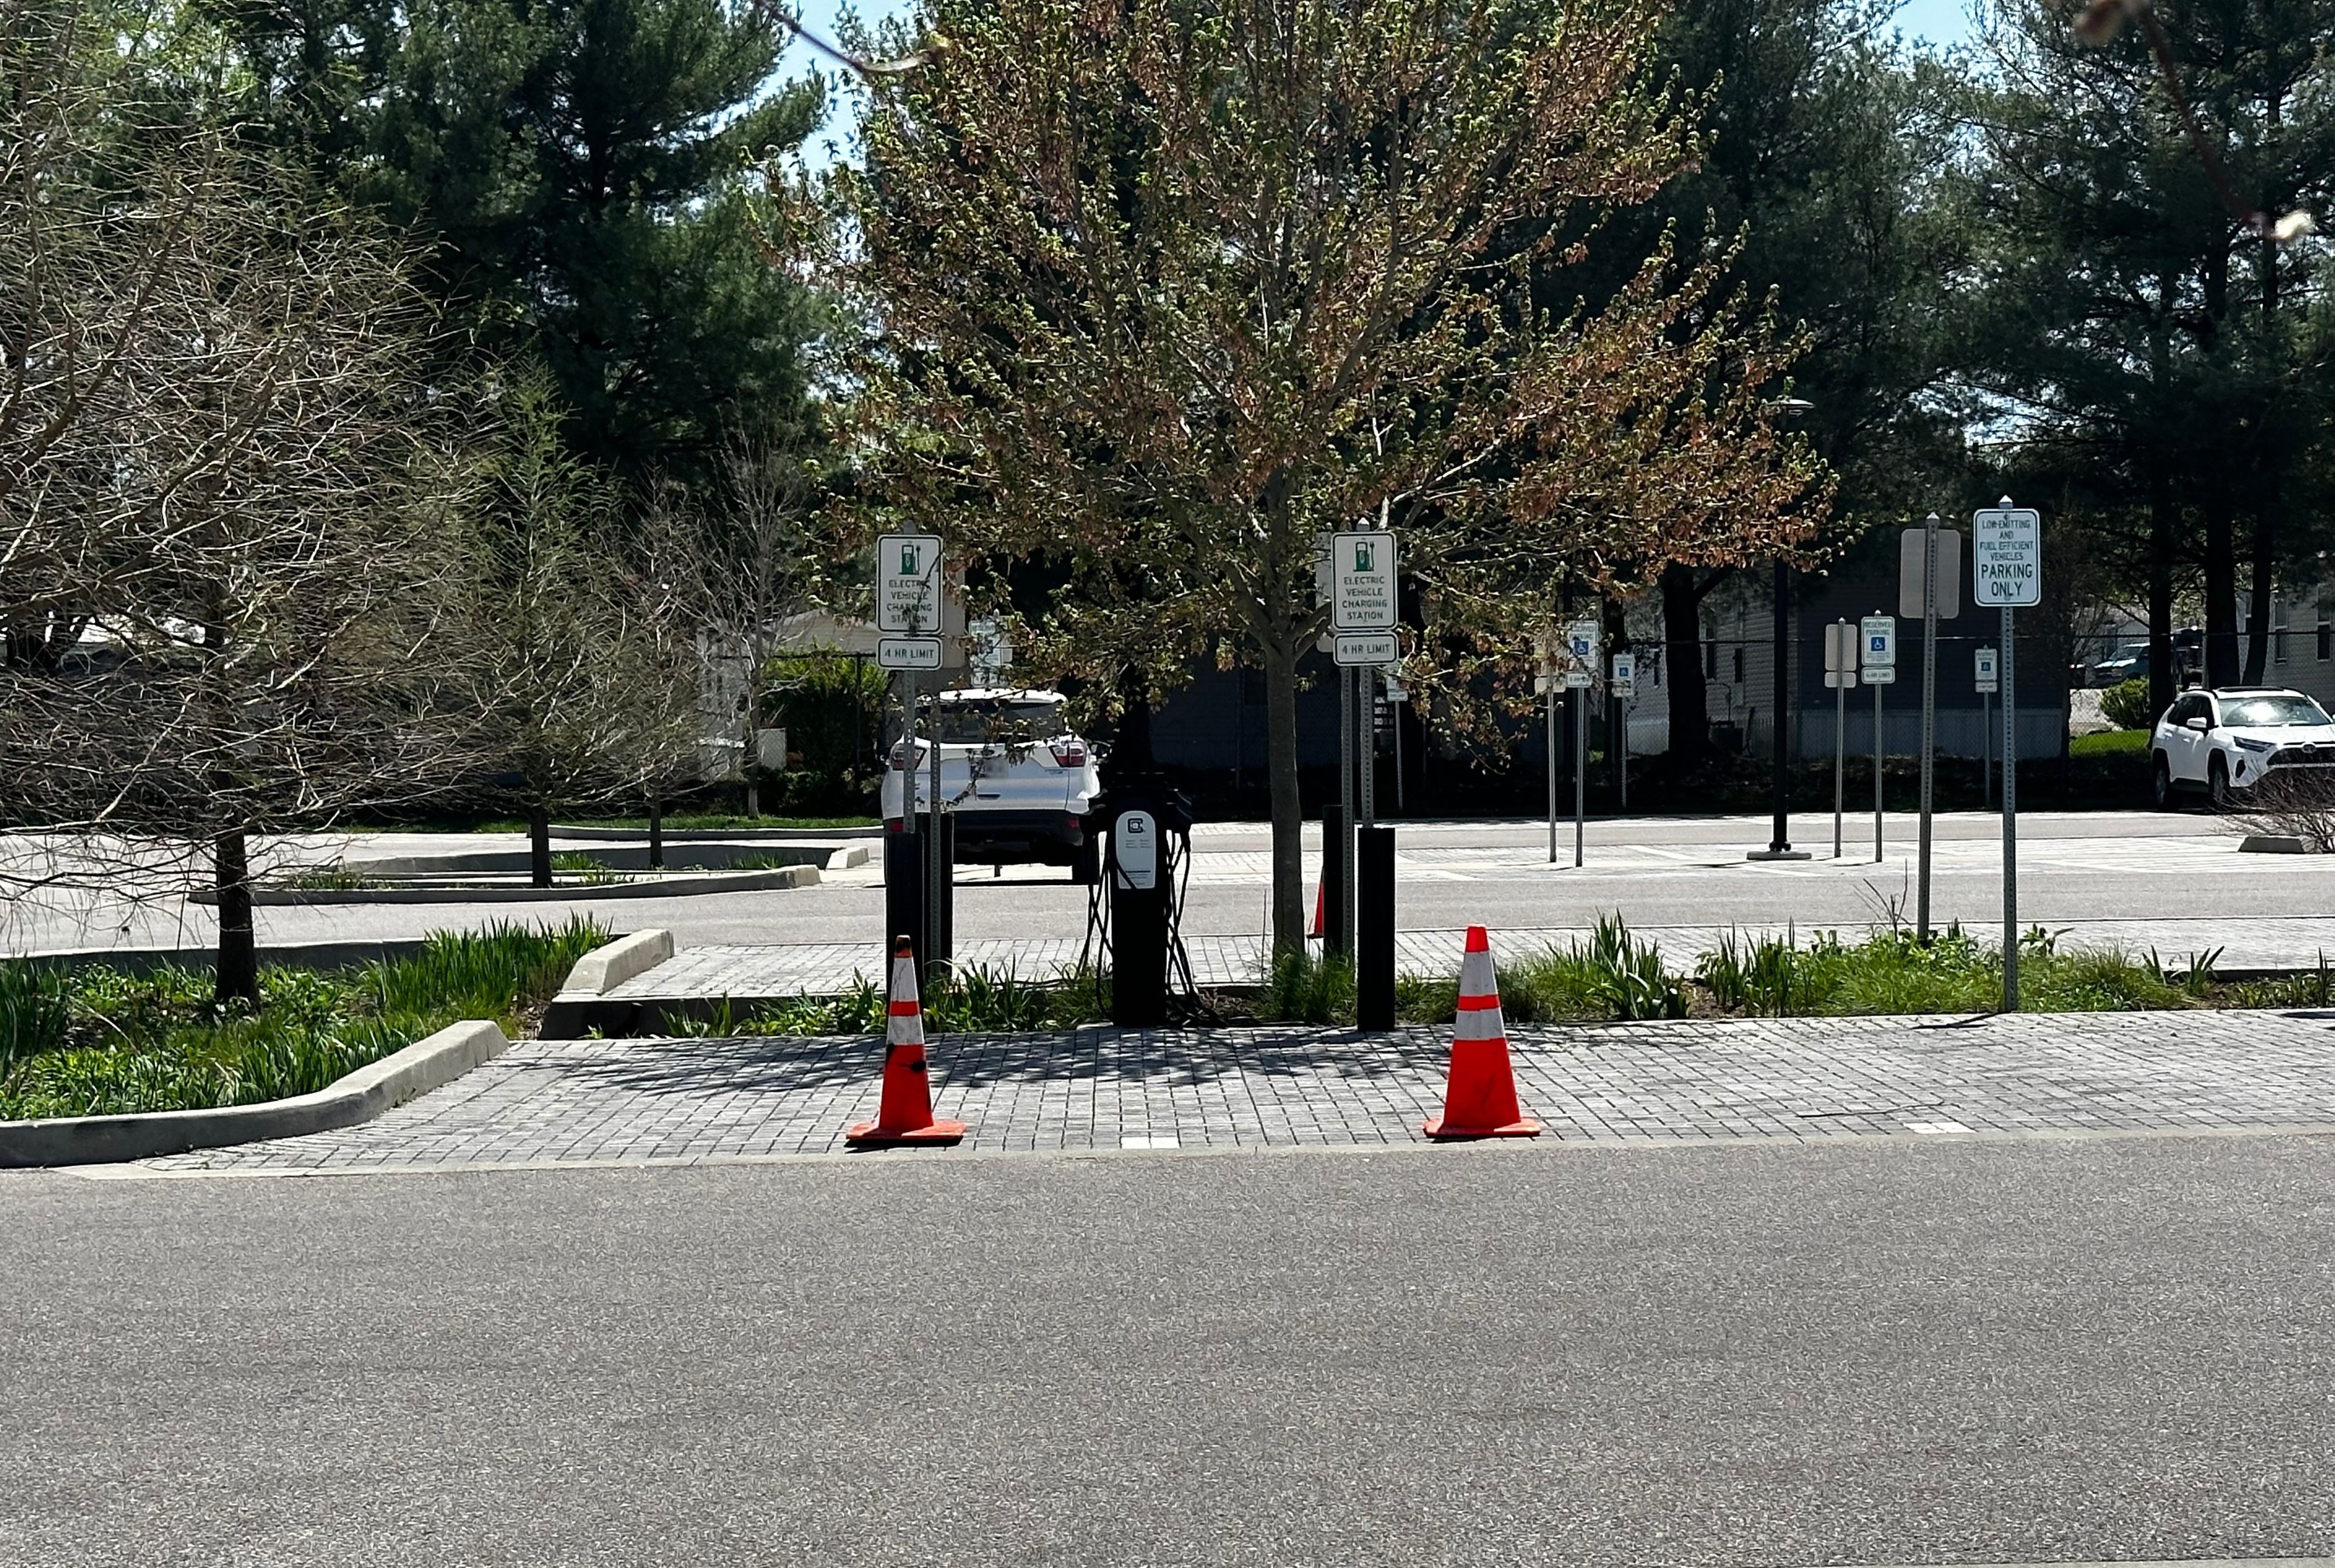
{"x": 1362, "y": 582}
{"x": 908, "y": 583}
{"x": 1134, "y": 849}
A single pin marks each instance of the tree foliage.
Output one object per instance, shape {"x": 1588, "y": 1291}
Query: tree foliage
{"x": 222, "y": 488}
{"x": 2160, "y": 367}
{"x": 578, "y": 168}
{"x": 1166, "y": 293}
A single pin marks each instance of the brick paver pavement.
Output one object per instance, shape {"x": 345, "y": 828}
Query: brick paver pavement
{"x": 1807, "y": 1079}
{"x": 811, "y": 969}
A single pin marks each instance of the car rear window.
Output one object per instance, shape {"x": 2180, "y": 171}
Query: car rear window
{"x": 1021, "y": 723}
{"x": 2267, "y": 712}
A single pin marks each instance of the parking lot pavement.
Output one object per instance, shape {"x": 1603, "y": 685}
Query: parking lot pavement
{"x": 1878, "y": 1351}
{"x": 1793, "y": 1080}
{"x": 1655, "y": 872}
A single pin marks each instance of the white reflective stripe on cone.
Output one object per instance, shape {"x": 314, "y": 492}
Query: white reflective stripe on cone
{"x": 1476, "y": 975}
{"x": 904, "y": 1028}
{"x": 1480, "y": 1023}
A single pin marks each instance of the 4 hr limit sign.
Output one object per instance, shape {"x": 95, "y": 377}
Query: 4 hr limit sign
{"x": 2007, "y": 571}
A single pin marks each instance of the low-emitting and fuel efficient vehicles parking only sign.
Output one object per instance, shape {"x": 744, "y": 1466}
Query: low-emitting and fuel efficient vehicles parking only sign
{"x": 2006, "y": 555}
{"x": 1362, "y": 582}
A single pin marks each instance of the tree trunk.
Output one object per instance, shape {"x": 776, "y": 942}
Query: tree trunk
{"x": 538, "y": 846}
{"x": 2258, "y": 631}
{"x": 657, "y": 830}
{"x": 1288, "y": 814}
{"x": 1690, "y": 702}
{"x": 2161, "y": 682}
{"x": 238, "y": 944}
{"x": 2221, "y": 595}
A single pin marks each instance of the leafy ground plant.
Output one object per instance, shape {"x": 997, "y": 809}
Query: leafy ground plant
{"x": 975, "y": 1000}
{"x": 158, "y": 1040}
{"x": 1303, "y": 989}
{"x": 588, "y": 869}
{"x": 1614, "y": 975}
{"x": 1895, "y": 972}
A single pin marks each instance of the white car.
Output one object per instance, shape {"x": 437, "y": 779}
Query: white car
{"x": 2227, "y": 742}
{"x": 1017, "y": 780}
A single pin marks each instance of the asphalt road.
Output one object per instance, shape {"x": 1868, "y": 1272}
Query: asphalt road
{"x": 1940, "y": 1352}
{"x": 2076, "y": 866}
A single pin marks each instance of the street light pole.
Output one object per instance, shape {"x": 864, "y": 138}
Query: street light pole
{"x": 1779, "y": 846}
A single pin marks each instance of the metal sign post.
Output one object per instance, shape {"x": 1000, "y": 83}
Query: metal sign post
{"x": 1346, "y": 810}
{"x": 1877, "y": 667}
{"x": 1983, "y": 671}
{"x": 1582, "y": 639}
{"x": 910, "y": 584}
{"x": 1840, "y": 675}
{"x": 1929, "y": 568}
{"x": 1362, "y": 598}
{"x": 1548, "y": 683}
{"x": 1620, "y": 687}
{"x": 2007, "y": 570}
{"x": 1396, "y": 695}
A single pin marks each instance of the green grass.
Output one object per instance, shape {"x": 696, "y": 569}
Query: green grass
{"x": 2110, "y": 744}
{"x": 330, "y": 879}
{"x": 99, "y": 1041}
{"x": 1779, "y": 977}
{"x": 763, "y": 863}
{"x": 700, "y": 822}
{"x": 588, "y": 869}
{"x": 1614, "y": 975}
{"x": 977, "y": 1000}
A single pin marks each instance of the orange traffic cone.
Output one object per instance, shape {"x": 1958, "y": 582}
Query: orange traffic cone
{"x": 1479, "y": 1099}
{"x": 905, "y": 1114}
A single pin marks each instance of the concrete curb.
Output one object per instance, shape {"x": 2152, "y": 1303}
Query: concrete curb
{"x": 604, "y": 969}
{"x": 2272, "y": 843}
{"x": 717, "y": 835}
{"x": 323, "y": 955}
{"x": 573, "y": 893}
{"x": 580, "y": 1008}
{"x": 360, "y": 1096}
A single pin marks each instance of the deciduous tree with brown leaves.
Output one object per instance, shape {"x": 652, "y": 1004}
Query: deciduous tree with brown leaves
{"x": 1163, "y": 291}
{"x": 222, "y": 487}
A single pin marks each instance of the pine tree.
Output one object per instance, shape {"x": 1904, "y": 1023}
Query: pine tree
{"x": 583, "y": 171}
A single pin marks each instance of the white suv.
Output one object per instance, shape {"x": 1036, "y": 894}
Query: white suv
{"x": 2227, "y": 742}
{"x": 1018, "y": 782}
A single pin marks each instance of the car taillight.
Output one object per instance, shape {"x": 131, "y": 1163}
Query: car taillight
{"x": 1069, "y": 753}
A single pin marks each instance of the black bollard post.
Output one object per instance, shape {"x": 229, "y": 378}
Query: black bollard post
{"x": 942, "y": 897}
{"x": 904, "y": 892}
{"x": 1337, "y": 841}
{"x": 1374, "y": 930}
